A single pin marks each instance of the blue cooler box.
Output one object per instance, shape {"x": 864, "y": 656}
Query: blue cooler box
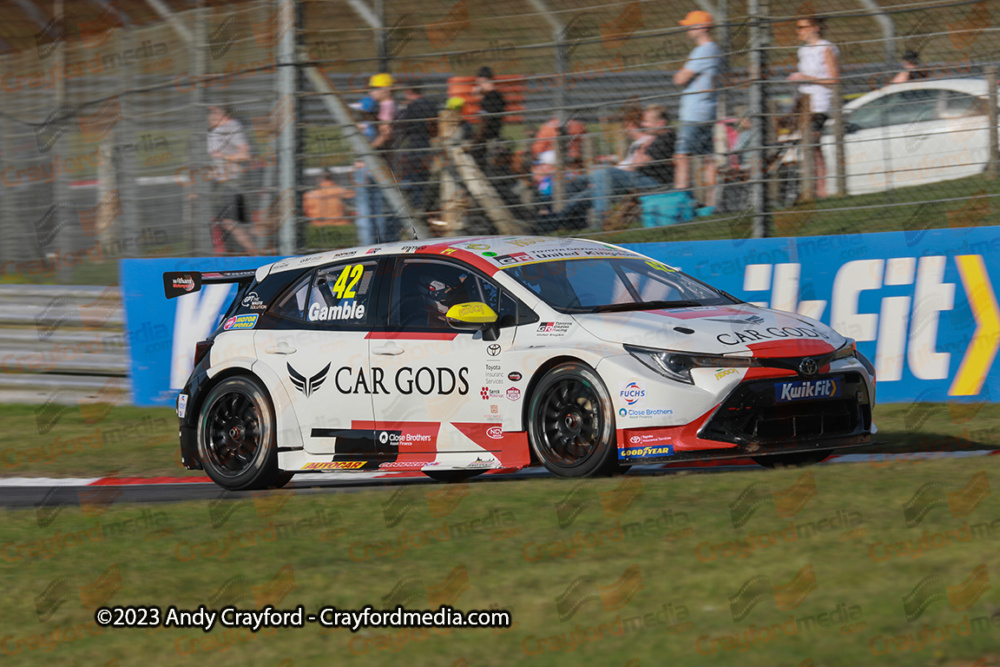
{"x": 666, "y": 208}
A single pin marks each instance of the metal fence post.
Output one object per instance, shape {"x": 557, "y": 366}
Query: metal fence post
{"x": 838, "y": 138}
{"x": 759, "y": 11}
{"x": 993, "y": 167}
{"x": 285, "y": 60}
{"x": 807, "y": 155}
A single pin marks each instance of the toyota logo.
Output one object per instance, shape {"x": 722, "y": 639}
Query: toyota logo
{"x": 493, "y": 350}
{"x": 808, "y": 366}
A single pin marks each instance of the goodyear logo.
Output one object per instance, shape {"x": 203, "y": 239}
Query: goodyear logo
{"x": 240, "y": 322}
{"x": 334, "y": 465}
{"x": 648, "y": 452}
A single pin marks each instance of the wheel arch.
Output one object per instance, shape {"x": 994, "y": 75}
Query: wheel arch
{"x": 539, "y": 373}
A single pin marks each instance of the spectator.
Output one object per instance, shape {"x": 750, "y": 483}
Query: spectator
{"x": 325, "y": 204}
{"x": 545, "y": 140}
{"x": 413, "y": 128}
{"x": 698, "y": 106}
{"x": 651, "y": 167}
{"x": 381, "y": 92}
{"x": 371, "y": 222}
{"x": 492, "y": 106}
{"x": 913, "y": 69}
{"x": 819, "y": 70}
{"x": 230, "y": 154}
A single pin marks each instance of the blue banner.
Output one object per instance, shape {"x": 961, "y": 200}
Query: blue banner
{"x": 161, "y": 333}
{"x": 920, "y": 304}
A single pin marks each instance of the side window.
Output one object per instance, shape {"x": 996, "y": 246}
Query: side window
{"x": 873, "y": 114}
{"x": 292, "y": 306}
{"x": 341, "y": 295}
{"x": 912, "y": 106}
{"x": 954, "y": 104}
{"x": 424, "y": 290}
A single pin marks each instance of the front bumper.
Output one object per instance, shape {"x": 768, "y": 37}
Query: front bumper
{"x": 752, "y": 422}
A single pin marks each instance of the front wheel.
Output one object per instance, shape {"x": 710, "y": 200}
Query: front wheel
{"x": 571, "y": 424}
{"x": 236, "y": 436}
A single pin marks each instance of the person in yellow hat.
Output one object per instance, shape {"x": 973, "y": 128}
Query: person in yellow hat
{"x": 381, "y": 90}
{"x": 698, "y": 106}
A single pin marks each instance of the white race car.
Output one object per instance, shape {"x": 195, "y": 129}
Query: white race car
{"x": 460, "y": 356}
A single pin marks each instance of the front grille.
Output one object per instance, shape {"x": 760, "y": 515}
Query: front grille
{"x": 751, "y": 416}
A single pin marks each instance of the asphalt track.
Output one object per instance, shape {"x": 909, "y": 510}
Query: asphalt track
{"x": 39, "y": 493}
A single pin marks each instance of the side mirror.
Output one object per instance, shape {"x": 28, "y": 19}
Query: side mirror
{"x": 850, "y": 128}
{"x": 471, "y": 316}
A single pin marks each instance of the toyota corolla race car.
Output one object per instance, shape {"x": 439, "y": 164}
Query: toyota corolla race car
{"x": 458, "y": 357}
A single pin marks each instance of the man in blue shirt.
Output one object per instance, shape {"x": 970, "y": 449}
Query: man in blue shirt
{"x": 697, "y": 112}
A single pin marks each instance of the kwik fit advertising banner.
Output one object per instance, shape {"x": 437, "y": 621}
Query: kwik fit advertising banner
{"x": 920, "y": 304}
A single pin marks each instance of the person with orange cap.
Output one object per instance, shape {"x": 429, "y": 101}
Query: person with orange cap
{"x": 698, "y": 106}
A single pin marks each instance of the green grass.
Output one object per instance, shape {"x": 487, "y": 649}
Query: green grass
{"x": 500, "y": 545}
{"x": 905, "y": 209}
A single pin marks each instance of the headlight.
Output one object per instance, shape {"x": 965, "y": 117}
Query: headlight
{"x": 677, "y": 365}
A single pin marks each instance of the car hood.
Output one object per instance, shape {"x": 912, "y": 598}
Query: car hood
{"x": 716, "y": 330}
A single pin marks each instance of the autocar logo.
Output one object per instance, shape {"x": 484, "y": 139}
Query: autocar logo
{"x": 307, "y": 385}
{"x": 495, "y": 432}
{"x": 493, "y": 350}
{"x": 809, "y": 366}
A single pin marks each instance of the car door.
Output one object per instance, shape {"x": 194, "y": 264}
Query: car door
{"x": 866, "y": 159}
{"x": 914, "y": 137}
{"x": 317, "y": 345}
{"x": 958, "y": 141}
{"x": 447, "y": 389}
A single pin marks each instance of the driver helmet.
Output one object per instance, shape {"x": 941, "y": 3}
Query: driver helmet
{"x": 438, "y": 295}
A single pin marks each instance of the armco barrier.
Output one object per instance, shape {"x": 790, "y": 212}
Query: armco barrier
{"x": 920, "y": 304}
{"x": 61, "y": 344}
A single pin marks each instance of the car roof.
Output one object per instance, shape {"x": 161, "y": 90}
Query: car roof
{"x": 489, "y": 253}
{"x": 976, "y": 87}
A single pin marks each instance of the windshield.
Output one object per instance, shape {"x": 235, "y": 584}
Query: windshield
{"x": 604, "y": 284}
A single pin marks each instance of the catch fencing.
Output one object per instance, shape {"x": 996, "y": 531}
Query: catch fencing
{"x": 104, "y": 126}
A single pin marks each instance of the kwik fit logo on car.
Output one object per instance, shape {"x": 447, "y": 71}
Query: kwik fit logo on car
{"x": 807, "y": 390}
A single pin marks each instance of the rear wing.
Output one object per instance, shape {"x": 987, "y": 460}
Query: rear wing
{"x": 178, "y": 283}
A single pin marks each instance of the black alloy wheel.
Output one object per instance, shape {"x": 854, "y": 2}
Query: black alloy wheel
{"x": 237, "y": 436}
{"x": 571, "y": 423}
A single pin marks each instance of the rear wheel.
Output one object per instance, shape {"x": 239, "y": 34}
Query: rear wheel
{"x": 571, "y": 422}
{"x": 236, "y": 437}
{"x": 793, "y": 460}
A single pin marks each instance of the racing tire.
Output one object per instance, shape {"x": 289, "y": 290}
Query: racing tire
{"x": 793, "y": 460}
{"x": 452, "y": 476}
{"x": 571, "y": 423}
{"x": 237, "y": 438}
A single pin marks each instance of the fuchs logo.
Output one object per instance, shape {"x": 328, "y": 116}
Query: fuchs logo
{"x": 307, "y": 385}
{"x": 633, "y": 393}
{"x": 495, "y": 432}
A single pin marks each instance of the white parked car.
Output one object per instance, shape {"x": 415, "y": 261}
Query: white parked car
{"x": 457, "y": 356}
{"x": 911, "y": 134}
